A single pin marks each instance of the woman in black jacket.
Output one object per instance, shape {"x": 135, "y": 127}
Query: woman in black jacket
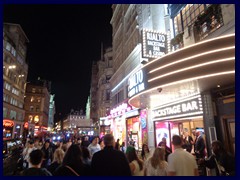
{"x": 72, "y": 164}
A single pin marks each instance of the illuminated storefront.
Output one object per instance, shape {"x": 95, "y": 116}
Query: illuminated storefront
{"x": 7, "y": 129}
{"x": 177, "y": 89}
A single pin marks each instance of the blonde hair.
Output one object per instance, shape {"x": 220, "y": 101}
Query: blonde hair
{"x": 58, "y": 155}
{"x": 157, "y": 157}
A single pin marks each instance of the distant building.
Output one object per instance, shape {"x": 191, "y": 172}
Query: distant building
{"x": 37, "y": 104}
{"x": 76, "y": 123}
{"x": 15, "y": 71}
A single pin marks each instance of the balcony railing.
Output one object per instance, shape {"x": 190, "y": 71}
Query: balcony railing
{"x": 208, "y": 22}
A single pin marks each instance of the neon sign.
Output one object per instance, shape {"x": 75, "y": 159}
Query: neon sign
{"x": 8, "y": 123}
{"x": 120, "y": 110}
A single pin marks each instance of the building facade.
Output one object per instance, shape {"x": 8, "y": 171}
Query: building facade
{"x": 36, "y": 105}
{"x": 192, "y": 88}
{"x": 128, "y": 22}
{"x": 15, "y": 71}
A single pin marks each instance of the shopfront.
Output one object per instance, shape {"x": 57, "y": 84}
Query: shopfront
{"x": 176, "y": 88}
{"x": 7, "y": 129}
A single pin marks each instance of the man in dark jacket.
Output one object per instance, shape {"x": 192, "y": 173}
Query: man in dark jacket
{"x": 199, "y": 145}
{"x": 36, "y": 159}
{"x": 110, "y": 162}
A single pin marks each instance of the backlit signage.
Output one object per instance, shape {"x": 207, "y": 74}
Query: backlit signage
{"x": 154, "y": 43}
{"x": 8, "y": 123}
{"x": 137, "y": 83}
{"x": 190, "y": 107}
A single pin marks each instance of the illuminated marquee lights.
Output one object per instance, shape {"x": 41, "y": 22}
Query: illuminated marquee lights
{"x": 192, "y": 57}
{"x": 184, "y": 80}
{"x": 154, "y": 43}
{"x": 192, "y": 67}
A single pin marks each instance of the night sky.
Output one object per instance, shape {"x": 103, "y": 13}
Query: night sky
{"x": 64, "y": 40}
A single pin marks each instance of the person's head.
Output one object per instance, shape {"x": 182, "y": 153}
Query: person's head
{"x": 198, "y": 133}
{"x": 36, "y": 157}
{"x": 73, "y": 156}
{"x": 159, "y": 153}
{"x": 85, "y": 152}
{"x": 164, "y": 140}
{"x": 123, "y": 143}
{"x": 58, "y": 155}
{"x": 47, "y": 144}
{"x": 95, "y": 140}
{"x": 145, "y": 148}
{"x": 108, "y": 140}
{"x": 131, "y": 153}
{"x": 86, "y": 138}
{"x": 217, "y": 147}
{"x": 158, "y": 156}
{"x": 30, "y": 144}
{"x": 176, "y": 140}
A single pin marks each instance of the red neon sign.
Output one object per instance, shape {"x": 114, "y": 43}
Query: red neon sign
{"x": 26, "y": 125}
{"x": 8, "y": 123}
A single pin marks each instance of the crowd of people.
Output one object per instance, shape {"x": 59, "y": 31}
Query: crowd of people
{"x": 106, "y": 157}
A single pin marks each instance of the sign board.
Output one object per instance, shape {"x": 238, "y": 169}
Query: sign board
{"x": 154, "y": 43}
{"x": 137, "y": 83}
{"x": 185, "y": 108}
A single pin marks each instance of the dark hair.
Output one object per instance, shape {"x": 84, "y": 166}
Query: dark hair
{"x": 36, "y": 156}
{"x": 132, "y": 155}
{"x": 176, "y": 140}
{"x": 220, "y": 145}
{"x": 143, "y": 152}
{"x": 73, "y": 158}
{"x": 108, "y": 140}
{"x": 85, "y": 152}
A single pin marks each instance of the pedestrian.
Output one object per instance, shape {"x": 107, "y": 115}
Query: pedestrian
{"x": 145, "y": 152}
{"x": 117, "y": 145}
{"x": 48, "y": 154}
{"x": 26, "y": 152}
{"x": 199, "y": 145}
{"x": 181, "y": 162}
{"x": 94, "y": 146}
{"x": 35, "y": 161}
{"x": 156, "y": 165}
{"x": 187, "y": 142}
{"x": 72, "y": 164}
{"x": 57, "y": 160}
{"x": 223, "y": 162}
{"x": 163, "y": 144}
{"x": 136, "y": 164}
{"x": 109, "y": 161}
{"x": 123, "y": 147}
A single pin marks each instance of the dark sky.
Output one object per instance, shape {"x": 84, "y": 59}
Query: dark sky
{"x": 64, "y": 40}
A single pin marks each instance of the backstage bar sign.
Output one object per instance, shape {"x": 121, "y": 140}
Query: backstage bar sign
{"x": 187, "y": 108}
{"x": 137, "y": 83}
{"x": 154, "y": 44}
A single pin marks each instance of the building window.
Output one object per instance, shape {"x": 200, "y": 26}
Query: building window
{"x": 5, "y": 112}
{"x": 31, "y": 108}
{"x": 32, "y": 99}
{"x": 38, "y": 99}
{"x": 33, "y": 90}
{"x": 8, "y": 46}
{"x": 13, "y": 114}
{"x": 37, "y": 108}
